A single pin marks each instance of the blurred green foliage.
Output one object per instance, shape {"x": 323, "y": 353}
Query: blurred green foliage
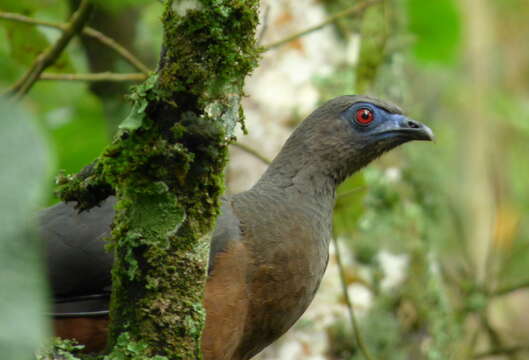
{"x": 437, "y": 30}
{"x": 24, "y": 160}
{"x": 413, "y": 202}
{"x": 72, "y": 117}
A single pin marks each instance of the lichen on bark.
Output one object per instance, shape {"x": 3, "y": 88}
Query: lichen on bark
{"x": 166, "y": 168}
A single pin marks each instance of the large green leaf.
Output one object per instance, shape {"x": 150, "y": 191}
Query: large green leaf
{"x": 24, "y": 41}
{"x": 27, "y": 42}
{"x": 24, "y": 160}
{"x": 79, "y": 132}
{"x": 436, "y": 26}
{"x": 74, "y": 122}
{"x": 20, "y": 6}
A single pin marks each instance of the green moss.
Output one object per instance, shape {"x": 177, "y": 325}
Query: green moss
{"x": 60, "y": 348}
{"x": 208, "y": 49}
{"x": 87, "y": 187}
{"x": 168, "y": 190}
{"x": 128, "y": 349}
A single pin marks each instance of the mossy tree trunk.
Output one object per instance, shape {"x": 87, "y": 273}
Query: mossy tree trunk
{"x": 166, "y": 168}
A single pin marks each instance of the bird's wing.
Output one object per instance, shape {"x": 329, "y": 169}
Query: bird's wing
{"x": 227, "y": 230}
{"x": 78, "y": 265}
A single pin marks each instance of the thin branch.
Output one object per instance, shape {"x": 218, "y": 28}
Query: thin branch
{"x": 264, "y": 21}
{"x": 354, "y": 323}
{"x": 114, "y": 45}
{"x": 94, "y": 77}
{"x": 512, "y": 350}
{"x": 50, "y": 55}
{"x": 353, "y": 10}
{"x": 87, "y": 31}
{"x": 468, "y": 350}
{"x": 509, "y": 289}
{"x": 351, "y": 192}
{"x": 253, "y": 152}
{"x": 494, "y": 337}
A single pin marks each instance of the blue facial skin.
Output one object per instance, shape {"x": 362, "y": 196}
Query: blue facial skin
{"x": 387, "y": 125}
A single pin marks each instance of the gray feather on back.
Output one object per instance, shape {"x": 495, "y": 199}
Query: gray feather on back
{"x": 75, "y": 254}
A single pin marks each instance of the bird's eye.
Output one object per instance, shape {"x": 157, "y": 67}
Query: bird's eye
{"x": 364, "y": 116}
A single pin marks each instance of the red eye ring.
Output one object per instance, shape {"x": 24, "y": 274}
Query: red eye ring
{"x": 364, "y": 116}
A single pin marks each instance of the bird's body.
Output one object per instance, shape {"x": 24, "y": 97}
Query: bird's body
{"x": 270, "y": 247}
{"x": 279, "y": 277}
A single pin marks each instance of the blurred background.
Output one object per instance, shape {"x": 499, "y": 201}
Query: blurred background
{"x": 434, "y": 238}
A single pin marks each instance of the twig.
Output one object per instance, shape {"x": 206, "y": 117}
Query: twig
{"x": 492, "y": 334}
{"x": 354, "y": 323}
{"x": 264, "y": 21}
{"x": 87, "y": 31}
{"x": 502, "y": 351}
{"x": 93, "y": 77}
{"x": 351, "y": 192}
{"x": 353, "y": 10}
{"x": 114, "y": 45}
{"x": 253, "y": 152}
{"x": 469, "y": 350}
{"x": 509, "y": 289}
{"x": 50, "y": 55}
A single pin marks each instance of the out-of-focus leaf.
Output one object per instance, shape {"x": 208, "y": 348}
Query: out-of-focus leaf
{"x": 436, "y": 26}
{"x": 9, "y": 69}
{"x": 149, "y": 32}
{"x": 25, "y": 7}
{"x": 79, "y": 133}
{"x": 74, "y": 122}
{"x": 349, "y": 205}
{"x": 24, "y": 160}
{"x": 26, "y": 43}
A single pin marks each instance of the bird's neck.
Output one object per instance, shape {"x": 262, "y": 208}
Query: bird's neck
{"x": 303, "y": 176}
{"x": 310, "y": 170}
{"x": 300, "y": 178}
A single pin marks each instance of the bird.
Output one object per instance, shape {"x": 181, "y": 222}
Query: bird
{"x": 269, "y": 249}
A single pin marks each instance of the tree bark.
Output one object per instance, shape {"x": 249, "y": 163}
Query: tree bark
{"x": 166, "y": 168}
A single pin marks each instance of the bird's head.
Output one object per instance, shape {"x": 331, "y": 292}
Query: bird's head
{"x": 373, "y": 126}
{"x": 348, "y": 132}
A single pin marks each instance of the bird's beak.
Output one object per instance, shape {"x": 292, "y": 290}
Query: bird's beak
{"x": 400, "y": 125}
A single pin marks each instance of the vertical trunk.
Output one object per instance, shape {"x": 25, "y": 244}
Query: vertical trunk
{"x": 478, "y": 190}
{"x": 166, "y": 167}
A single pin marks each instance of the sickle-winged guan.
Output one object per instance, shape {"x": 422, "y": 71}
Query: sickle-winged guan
{"x": 270, "y": 246}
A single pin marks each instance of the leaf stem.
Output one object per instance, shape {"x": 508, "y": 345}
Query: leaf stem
{"x": 354, "y": 323}
{"x": 353, "y": 10}
{"x": 94, "y": 77}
